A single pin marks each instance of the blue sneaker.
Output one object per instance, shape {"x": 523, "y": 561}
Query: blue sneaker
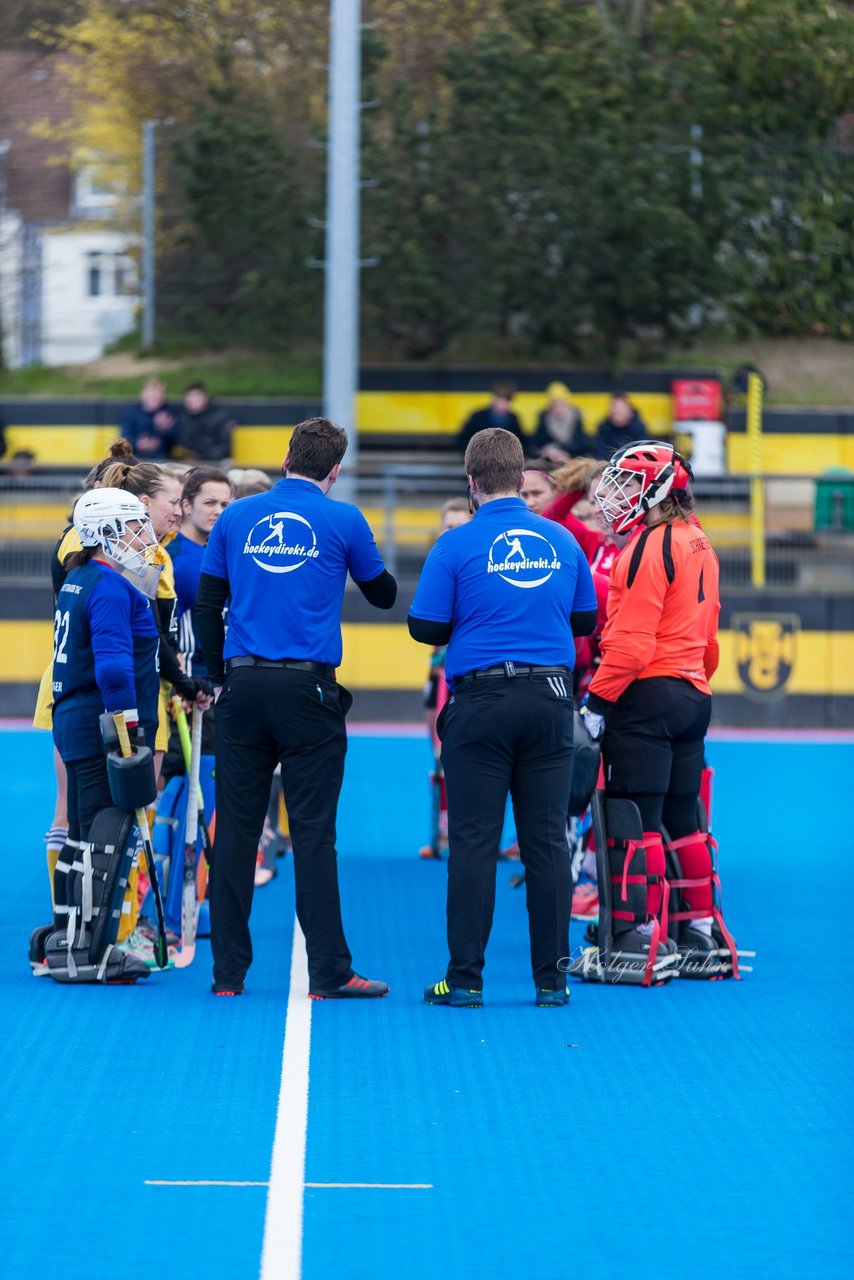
{"x": 547, "y": 999}
{"x": 456, "y": 997}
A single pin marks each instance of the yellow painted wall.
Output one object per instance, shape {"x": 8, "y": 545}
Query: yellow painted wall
{"x": 443, "y": 412}
{"x": 792, "y": 454}
{"x": 383, "y": 656}
{"x": 25, "y": 650}
{"x": 413, "y": 413}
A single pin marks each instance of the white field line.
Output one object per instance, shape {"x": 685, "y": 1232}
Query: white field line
{"x": 224, "y": 1182}
{"x": 281, "y": 1256}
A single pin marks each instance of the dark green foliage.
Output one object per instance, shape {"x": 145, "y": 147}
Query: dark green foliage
{"x": 232, "y": 239}
{"x": 580, "y": 173}
{"x": 550, "y": 193}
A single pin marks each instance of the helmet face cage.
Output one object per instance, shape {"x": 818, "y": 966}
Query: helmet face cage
{"x": 122, "y": 543}
{"x": 637, "y": 478}
{"x": 104, "y": 517}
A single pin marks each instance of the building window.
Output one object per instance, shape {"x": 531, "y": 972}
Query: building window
{"x": 95, "y": 273}
{"x": 110, "y": 275}
{"x": 93, "y": 193}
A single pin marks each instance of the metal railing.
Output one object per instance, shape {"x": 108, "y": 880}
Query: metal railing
{"x": 807, "y": 532}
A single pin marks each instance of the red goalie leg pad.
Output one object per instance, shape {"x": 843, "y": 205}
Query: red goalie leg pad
{"x": 700, "y": 885}
{"x": 695, "y": 858}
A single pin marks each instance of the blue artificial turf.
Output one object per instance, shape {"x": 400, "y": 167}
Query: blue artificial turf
{"x": 696, "y": 1127}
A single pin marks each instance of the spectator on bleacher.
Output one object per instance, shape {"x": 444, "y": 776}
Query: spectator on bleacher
{"x": 498, "y": 413}
{"x": 622, "y": 425}
{"x": 21, "y": 463}
{"x": 560, "y": 430}
{"x": 151, "y": 426}
{"x": 204, "y": 428}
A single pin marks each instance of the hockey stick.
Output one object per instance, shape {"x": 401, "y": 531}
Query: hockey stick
{"x": 207, "y": 843}
{"x": 161, "y": 949}
{"x": 436, "y": 815}
{"x": 188, "y": 894}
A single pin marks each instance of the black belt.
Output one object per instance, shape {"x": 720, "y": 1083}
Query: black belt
{"x": 293, "y": 664}
{"x": 509, "y": 671}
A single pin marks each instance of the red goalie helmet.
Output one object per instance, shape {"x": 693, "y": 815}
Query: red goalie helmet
{"x": 637, "y": 478}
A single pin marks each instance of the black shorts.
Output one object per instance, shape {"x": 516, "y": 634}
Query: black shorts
{"x": 654, "y": 738}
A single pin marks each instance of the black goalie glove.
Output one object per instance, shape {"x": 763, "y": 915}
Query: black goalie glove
{"x": 190, "y": 686}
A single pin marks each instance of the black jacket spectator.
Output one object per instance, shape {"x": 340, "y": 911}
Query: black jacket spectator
{"x": 483, "y": 418}
{"x": 498, "y": 413}
{"x": 622, "y": 426}
{"x": 204, "y": 428}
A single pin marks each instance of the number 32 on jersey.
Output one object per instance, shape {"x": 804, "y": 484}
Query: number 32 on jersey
{"x": 61, "y": 623}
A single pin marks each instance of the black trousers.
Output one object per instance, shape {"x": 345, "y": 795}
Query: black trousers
{"x": 653, "y": 751}
{"x": 88, "y": 794}
{"x": 501, "y": 735}
{"x": 266, "y": 716}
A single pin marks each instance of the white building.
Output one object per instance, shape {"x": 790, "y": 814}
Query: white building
{"x": 68, "y": 278}
{"x": 88, "y": 287}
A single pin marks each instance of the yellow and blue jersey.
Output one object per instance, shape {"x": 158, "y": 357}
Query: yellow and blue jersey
{"x": 105, "y": 658}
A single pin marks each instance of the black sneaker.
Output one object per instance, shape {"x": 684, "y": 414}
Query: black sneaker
{"x": 548, "y": 999}
{"x": 355, "y": 988}
{"x": 227, "y": 988}
{"x": 456, "y": 997}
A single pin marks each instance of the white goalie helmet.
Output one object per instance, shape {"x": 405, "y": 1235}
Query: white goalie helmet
{"x": 118, "y": 522}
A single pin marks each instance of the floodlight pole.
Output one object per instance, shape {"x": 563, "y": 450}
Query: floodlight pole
{"x": 148, "y": 173}
{"x": 341, "y": 286}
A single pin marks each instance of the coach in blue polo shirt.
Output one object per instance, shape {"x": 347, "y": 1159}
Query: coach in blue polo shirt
{"x": 505, "y": 592}
{"x": 283, "y": 558}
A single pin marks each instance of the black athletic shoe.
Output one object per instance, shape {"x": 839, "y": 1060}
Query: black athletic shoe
{"x": 548, "y": 999}
{"x": 355, "y": 988}
{"x": 227, "y": 988}
{"x": 456, "y": 997}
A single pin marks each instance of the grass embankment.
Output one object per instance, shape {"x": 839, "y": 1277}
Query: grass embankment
{"x": 801, "y": 372}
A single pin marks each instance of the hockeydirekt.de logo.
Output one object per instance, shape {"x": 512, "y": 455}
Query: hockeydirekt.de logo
{"x": 523, "y": 558}
{"x": 281, "y": 542}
